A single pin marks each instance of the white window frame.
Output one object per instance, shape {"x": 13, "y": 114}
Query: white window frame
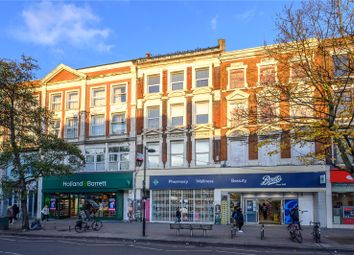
{"x": 182, "y": 155}
{"x": 147, "y": 116}
{"x": 53, "y": 104}
{"x": 120, "y": 154}
{"x": 267, "y": 62}
{"x": 172, "y": 105}
{"x": 56, "y": 129}
{"x": 93, "y": 125}
{"x": 195, "y": 112}
{"x": 118, "y": 123}
{"x": 237, "y": 66}
{"x": 74, "y": 127}
{"x": 95, "y": 162}
{"x": 196, "y": 80}
{"x": 117, "y": 86}
{"x": 170, "y": 82}
{"x": 68, "y": 102}
{"x": 209, "y": 153}
{"x": 156, "y": 154}
{"x": 93, "y": 98}
{"x": 148, "y": 85}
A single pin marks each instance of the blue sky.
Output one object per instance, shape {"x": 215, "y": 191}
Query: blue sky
{"x": 87, "y": 33}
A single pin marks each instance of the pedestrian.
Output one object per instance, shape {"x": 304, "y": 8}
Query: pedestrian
{"x": 295, "y": 217}
{"x": 264, "y": 209}
{"x": 10, "y": 214}
{"x": 239, "y": 220}
{"x": 16, "y": 211}
{"x": 234, "y": 215}
{"x": 45, "y": 213}
{"x": 178, "y": 215}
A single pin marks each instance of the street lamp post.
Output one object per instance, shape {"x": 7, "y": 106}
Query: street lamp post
{"x": 146, "y": 150}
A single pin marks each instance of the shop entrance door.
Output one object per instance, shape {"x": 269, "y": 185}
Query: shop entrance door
{"x": 74, "y": 205}
{"x": 251, "y": 211}
{"x": 270, "y": 211}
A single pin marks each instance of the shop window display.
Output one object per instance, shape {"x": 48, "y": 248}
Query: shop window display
{"x": 195, "y": 205}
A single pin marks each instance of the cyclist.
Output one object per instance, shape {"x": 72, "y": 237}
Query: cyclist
{"x": 294, "y": 214}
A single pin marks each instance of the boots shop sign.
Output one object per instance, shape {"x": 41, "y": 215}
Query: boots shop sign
{"x": 269, "y": 180}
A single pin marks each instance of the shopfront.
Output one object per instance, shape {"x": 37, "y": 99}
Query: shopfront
{"x": 65, "y": 195}
{"x": 264, "y": 198}
{"x": 342, "y": 197}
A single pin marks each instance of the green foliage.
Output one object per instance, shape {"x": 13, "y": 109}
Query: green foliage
{"x": 27, "y": 151}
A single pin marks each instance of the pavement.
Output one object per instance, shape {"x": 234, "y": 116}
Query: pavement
{"x": 276, "y": 236}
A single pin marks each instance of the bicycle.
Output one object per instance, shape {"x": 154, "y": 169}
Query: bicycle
{"x": 262, "y": 231}
{"x": 316, "y": 231}
{"x": 85, "y": 223}
{"x": 295, "y": 232}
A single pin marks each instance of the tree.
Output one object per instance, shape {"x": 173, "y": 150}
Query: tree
{"x": 28, "y": 151}
{"x": 311, "y": 98}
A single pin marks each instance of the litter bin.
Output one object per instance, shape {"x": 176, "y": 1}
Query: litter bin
{"x": 4, "y": 223}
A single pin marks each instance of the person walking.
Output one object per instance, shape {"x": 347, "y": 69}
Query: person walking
{"x": 10, "y": 214}
{"x": 16, "y": 211}
{"x": 239, "y": 220}
{"x": 178, "y": 215}
{"x": 45, "y": 213}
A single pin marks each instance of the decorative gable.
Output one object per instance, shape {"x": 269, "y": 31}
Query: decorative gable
{"x": 63, "y": 73}
{"x": 237, "y": 95}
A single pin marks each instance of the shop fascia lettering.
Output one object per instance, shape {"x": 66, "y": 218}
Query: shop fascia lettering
{"x": 84, "y": 184}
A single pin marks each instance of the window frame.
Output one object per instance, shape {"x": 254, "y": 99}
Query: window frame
{"x": 93, "y": 125}
{"x": 52, "y": 103}
{"x": 75, "y": 128}
{"x": 237, "y": 66}
{"x": 119, "y": 155}
{"x": 196, "y": 115}
{"x": 201, "y": 79}
{"x": 68, "y": 102}
{"x": 196, "y": 153}
{"x": 118, "y": 123}
{"x": 149, "y": 118}
{"x": 55, "y": 129}
{"x": 171, "y": 82}
{"x": 171, "y": 116}
{"x": 155, "y": 154}
{"x": 94, "y": 98}
{"x": 181, "y": 155}
{"x": 153, "y": 85}
{"x": 113, "y": 95}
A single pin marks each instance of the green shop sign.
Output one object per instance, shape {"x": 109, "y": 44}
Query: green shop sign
{"x": 89, "y": 182}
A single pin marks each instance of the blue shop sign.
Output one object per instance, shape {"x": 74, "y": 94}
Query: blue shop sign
{"x": 269, "y": 180}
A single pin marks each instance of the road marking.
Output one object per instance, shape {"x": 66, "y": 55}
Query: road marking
{"x": 8, "y": 239}
{"x": 9, "y": 252}
{"x": 146, "y": 247}
{"x": 234, "y": 252}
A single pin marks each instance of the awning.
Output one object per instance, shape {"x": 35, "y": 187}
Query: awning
{"x": 341, "y": 176}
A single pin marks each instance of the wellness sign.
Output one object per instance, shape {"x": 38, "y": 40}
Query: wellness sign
{"x": 269, "y": 180}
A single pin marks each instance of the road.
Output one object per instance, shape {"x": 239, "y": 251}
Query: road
{"x": 17, "y": 245}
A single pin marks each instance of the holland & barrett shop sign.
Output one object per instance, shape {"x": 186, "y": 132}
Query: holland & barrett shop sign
{"x": 88, "y": 182}
{"x": 271, "y": 180}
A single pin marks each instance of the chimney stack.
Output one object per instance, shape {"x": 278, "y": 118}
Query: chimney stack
{"x": 147, "y": 55}
{"x": 221, "y": 43}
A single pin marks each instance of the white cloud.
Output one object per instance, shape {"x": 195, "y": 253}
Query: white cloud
{"x": 214, "y": 23}
{"x": 54, "y": 23}
{"x": 246, "y": 16}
